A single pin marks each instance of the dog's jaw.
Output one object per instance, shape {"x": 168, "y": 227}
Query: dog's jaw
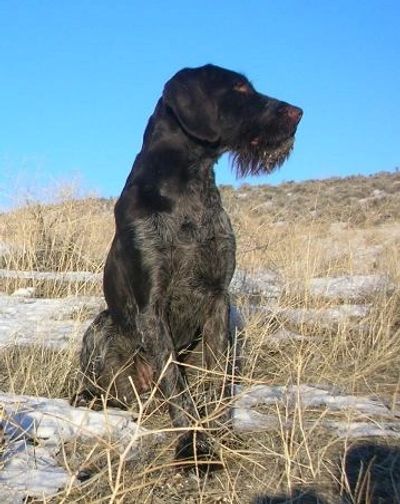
{"x": 260, "y": 158}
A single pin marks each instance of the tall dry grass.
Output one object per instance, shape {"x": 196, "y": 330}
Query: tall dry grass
{"x": 300, "y": 453}
{"x": 68, "y": 235}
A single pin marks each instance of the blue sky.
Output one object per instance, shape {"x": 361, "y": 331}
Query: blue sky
{"x": 79, "y": 80}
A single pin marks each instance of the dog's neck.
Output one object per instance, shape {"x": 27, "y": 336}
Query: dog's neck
{"x": 169, "y": 156}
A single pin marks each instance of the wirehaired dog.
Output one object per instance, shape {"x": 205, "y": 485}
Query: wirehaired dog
{"x": 167, "y": 274}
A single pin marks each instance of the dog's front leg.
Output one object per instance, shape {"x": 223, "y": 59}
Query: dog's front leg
{"x": 160, "y": 352}
{"x": 218, "y": 354}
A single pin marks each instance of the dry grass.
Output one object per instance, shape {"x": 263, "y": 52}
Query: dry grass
{"x": 318, "y": 232}
{"x": 71, "y": 235}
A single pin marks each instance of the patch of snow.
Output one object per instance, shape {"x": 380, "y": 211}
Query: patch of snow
{"x": 34, "y": 430}
{"x": 67, "y": 276}
{"x": 50, "y": 322}
{"x": 283, "y": 335}
{"x": 246, "y": 418}
{"x": 265, "y": 283}
{"x": 308, "y": 396}
{"x": 5, "y": 248}
{"x": 325, "y": 318}
{"x": 30, "y": 471}
{"x": 350, "y": 287}
{"x": 25, "y": 292}
{"x": 241, "y": 195}
{"x": 54, "y": 420}
{"x": 47, "y": 321}
{"x": 378, "y": 193}
{"x": 280, "y": 224}
{"x": 348, "y": 430}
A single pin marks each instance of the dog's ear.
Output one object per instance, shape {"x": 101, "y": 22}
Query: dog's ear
{"x": 196, "y": 112}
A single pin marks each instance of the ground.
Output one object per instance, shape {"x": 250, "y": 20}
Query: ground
{"x": 317, "y": 410}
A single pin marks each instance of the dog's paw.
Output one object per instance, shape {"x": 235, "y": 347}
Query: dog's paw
{"x": 194, "y": 451}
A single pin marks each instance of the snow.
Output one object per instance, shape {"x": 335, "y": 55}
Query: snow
{"x": 53, "y": 322}
{"x": 47, "y": 419}
{"x": 36, "y": 427}
{"x": 263, "y": 282}
{"x": 5, "y": 248}
{"x": 48, "y": 321}
{"x": 325, "y": 318}
{"x": 354, "y": 288}
{"x": 34, "y": 430}
{"x": 30, "y": 470}
{"x": 266, "y": 283}
{"x": 246, "y": 420}
{"x": 308, "y": 396}
{"x": 283, "y": 335}
{"x": 67, "y": 276}
{"x": 292, "y": 397}
{"x": 27, "y": 292}
{"x": 354, "y": 430}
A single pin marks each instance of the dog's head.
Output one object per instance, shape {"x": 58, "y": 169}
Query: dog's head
{"x": 221, "y": 108}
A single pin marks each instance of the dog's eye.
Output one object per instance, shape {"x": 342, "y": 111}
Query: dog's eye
{"x": 242, "y": 87}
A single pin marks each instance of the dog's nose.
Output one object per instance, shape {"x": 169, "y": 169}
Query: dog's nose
{"x": 293, "y": 113}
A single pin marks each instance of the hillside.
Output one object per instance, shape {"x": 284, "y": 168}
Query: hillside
{"x": 317, "y": 408}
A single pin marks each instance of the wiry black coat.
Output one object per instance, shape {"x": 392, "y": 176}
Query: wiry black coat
{"x": 167, "y": 274}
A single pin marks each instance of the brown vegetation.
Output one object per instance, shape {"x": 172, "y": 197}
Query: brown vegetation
{"x": 299, "y": 230}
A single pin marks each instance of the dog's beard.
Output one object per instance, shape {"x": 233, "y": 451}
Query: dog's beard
{"x": 257, "y": 157}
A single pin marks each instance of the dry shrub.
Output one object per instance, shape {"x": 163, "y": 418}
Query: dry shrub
{"x": 39, "y": 371}
{"x": 70, "y": 235}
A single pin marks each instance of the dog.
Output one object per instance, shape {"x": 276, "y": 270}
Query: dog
{"x": 167, "y": 274}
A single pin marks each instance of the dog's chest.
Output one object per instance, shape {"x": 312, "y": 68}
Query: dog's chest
{"x": 201, "y": 226}
{"x": 194, "y": 245}
{"x": 197, "y": 217}
{"x": 199, "y": 259}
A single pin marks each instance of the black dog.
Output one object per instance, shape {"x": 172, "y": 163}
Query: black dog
{"x": 167, "y": 274}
